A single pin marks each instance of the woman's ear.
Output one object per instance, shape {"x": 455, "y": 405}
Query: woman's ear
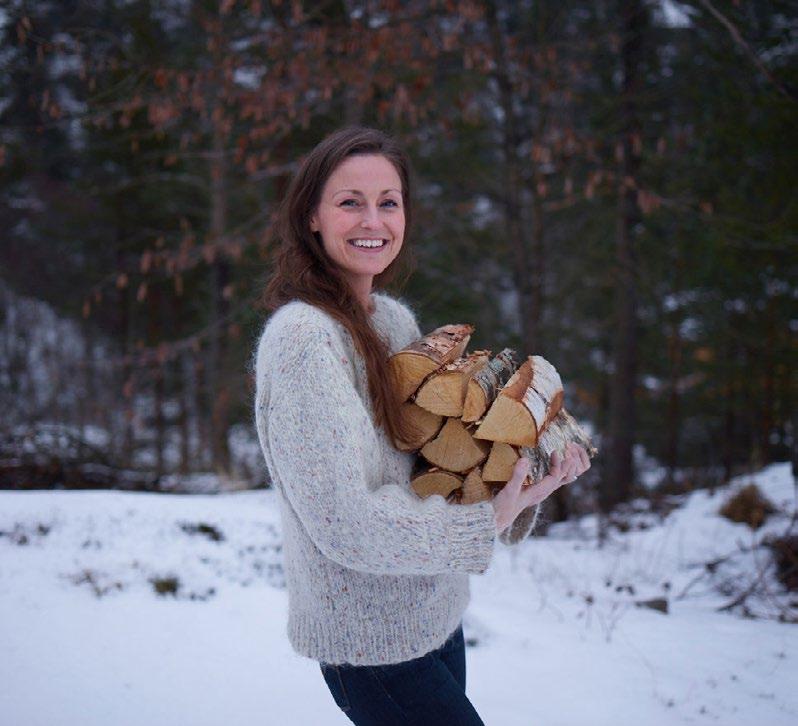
{"x": 314, "y": 226}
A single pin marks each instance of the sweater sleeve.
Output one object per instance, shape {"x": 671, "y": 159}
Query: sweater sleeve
{"x": 521, "y": 527}
{"x": 322, "y": 442}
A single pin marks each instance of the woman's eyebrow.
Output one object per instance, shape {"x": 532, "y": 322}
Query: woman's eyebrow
{"x": 357, "y": 191}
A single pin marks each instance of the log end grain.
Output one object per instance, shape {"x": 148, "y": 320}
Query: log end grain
{"x": 455, "y": 448}
{"x": 509, "y": 421}
{"x": 435, "y": 482}
{"x": 475, "y": 489}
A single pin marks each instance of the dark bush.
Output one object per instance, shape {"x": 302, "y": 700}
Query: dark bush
{"x": 785, "y": 553}
{"x": 165, "y": 585}
{"x": 748, "y": 506}
{"x": 207, "y": 530}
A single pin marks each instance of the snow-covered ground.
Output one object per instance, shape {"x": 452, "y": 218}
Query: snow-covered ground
{"x": 555, "y": 635}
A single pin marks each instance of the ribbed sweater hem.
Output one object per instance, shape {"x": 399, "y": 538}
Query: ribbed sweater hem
{"x": 404, "y": 637}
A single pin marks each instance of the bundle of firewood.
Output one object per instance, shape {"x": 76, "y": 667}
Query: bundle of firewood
{"x": 475, "y": 414}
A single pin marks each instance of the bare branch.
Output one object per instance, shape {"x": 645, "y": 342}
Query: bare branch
{"x": 738, "y": 38}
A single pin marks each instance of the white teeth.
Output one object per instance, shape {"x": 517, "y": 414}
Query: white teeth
{"x": 367, "y": 242}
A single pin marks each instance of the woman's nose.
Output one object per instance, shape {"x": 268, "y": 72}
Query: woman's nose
{"x": 370, "y": 216}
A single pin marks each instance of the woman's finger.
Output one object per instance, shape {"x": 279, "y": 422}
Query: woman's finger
{"x": 572, "y": 464}
{"x": 539, "y": 491}
{"x": 520, "y": 471}
{"x": 555, "y": 464}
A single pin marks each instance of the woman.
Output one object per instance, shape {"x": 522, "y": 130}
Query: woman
{"x": 377, "y": 578}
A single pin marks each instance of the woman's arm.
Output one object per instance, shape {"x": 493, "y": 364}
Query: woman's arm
{"x": 321, "y": 440}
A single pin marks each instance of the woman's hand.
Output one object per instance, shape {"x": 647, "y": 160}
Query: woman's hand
{"x": 515, "y": 497}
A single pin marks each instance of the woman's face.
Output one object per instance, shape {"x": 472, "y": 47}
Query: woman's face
{"x": 361, "y": 218}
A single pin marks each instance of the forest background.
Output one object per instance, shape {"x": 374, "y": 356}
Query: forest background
{"x": 611, "y": 185}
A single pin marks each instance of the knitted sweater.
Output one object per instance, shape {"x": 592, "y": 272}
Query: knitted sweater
{"x": 375, "y": 575}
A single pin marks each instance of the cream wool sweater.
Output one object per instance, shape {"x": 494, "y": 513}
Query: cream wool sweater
{"x": 375, "y": 575}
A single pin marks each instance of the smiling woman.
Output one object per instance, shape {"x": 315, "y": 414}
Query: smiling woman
{"x": 361, "y": 220}
{"x": 377, "y": 578}
{"x": 351, "y": 190}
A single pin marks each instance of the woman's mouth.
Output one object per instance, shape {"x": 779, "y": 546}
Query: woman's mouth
{"x": 368, "y": 244}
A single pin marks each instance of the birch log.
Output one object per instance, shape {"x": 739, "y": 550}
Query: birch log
{"x": 426, "y": 425}
{"x": 562, "y": 429}
{"x": 411, "y": 365}
{"x": 474, "y": 488}
{"x": 500, "y": 463}
{"x": 455, "y": 449}
{"x": 444, "y": 391}
{"x": 484, "y": 385}
{"x": 435, "y": 481}
{"x": 525, "y": 405}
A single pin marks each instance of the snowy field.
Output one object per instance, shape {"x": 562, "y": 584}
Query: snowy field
{"x": 555, "y": 634}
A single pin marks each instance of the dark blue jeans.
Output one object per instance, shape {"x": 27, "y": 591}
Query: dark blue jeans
{"x": 425, "y": 691}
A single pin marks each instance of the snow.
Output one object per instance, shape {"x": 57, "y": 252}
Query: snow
{"x": 555, "y": 635}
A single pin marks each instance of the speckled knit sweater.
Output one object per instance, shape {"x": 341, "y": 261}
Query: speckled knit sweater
{"x": 375, "y": 575}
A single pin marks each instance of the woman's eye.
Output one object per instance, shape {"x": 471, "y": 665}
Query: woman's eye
{"x": 355, "y": 203}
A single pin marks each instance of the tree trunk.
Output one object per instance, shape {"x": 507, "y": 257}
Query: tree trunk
{"x": 675, "y": 353}
{"x": 513, "y": 183}
{"x": 218, "y": 389}
{"x": 673, "y": 425}
{"x": 182, "y": 373}
{"x": 160, "y": 423}
{"x": 155, "y": 333}
{"x": 767, "y": 420}
{"x": 619, "y": 472}
{"x": 201, "y": 410}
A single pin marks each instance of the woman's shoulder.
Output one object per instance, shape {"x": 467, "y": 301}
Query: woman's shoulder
{"x": 296, "y": 325}
{"x": 393, "y": 302}
{"x": 400, "y": 316}
{"x": 299, "y": 316}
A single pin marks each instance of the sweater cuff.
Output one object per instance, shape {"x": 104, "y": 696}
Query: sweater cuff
{"x": 521, "y": 528}
{"x": 472, "y": 535}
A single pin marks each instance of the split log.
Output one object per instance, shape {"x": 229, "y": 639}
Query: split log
{"x": 474, "y": 488}
{"x": 435, "y": 481}
{"x": 444, "y": 391}
{"x": 528, "y": 402}
{"x": 485, "y": 384}
{"x": 411, "y": 365}
{"x": 455, "y": 449}
{"x": 426, "y": 425}
{"x": 500, "y": 463}
{"x": 555, "y": 436}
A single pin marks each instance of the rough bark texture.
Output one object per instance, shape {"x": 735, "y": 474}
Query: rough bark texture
{"x": 562, "y": 430}
{"x": 485, "y": 384}
{"x": 411, "y": 365}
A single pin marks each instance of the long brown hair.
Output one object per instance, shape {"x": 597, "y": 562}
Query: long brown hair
{"x": 303, "y": 271}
